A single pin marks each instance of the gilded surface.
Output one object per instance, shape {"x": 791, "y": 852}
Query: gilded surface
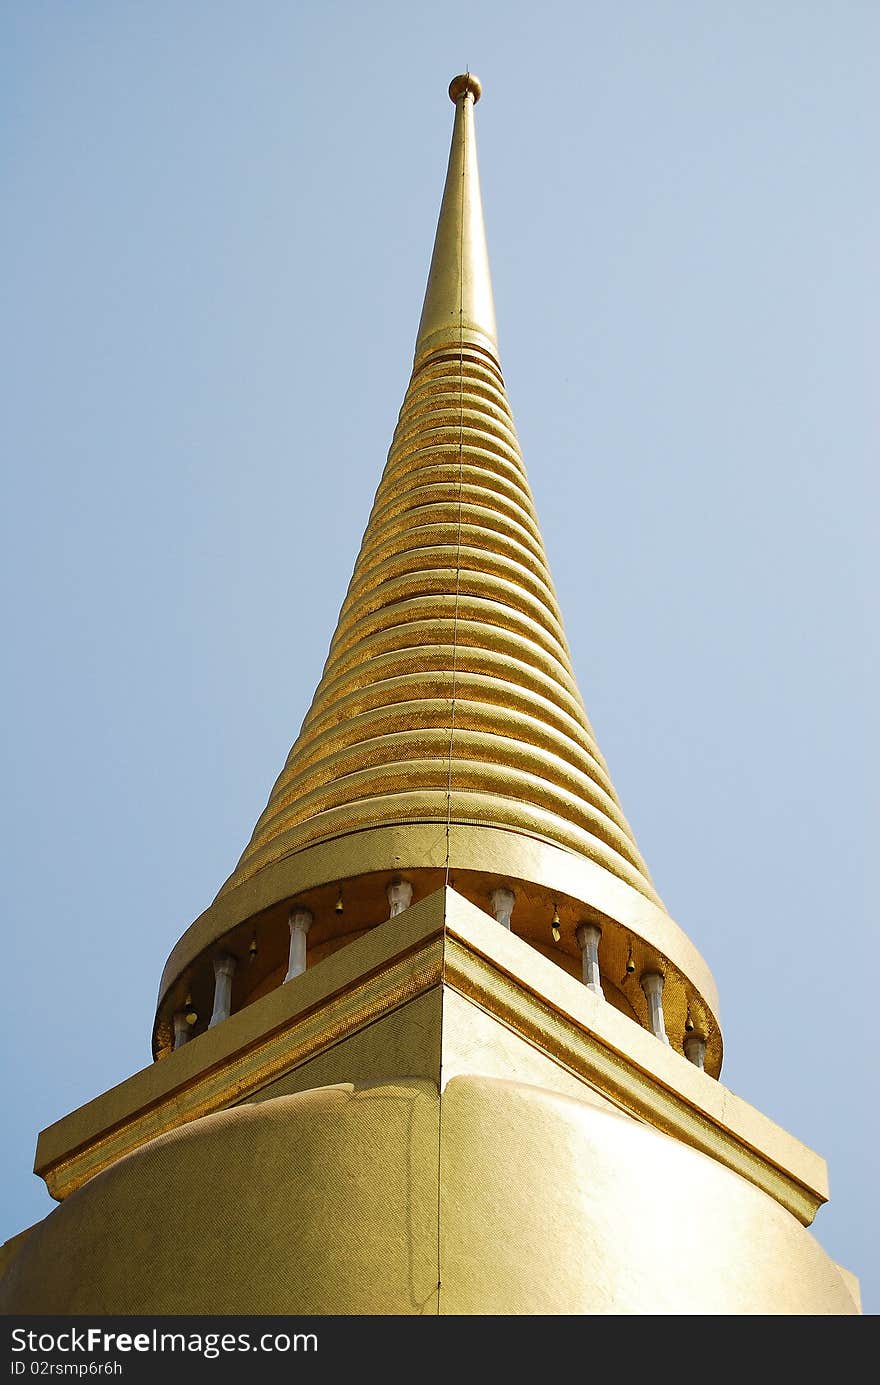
{"x": 316, "y": 1030}
{"x": 405, "y": 1043}
{"x": 623, "y": 1083}
{"x": 580, "y": 1165}
{"x": 552, "y": 1205}
{"x": 359, "y": 1199}
{"x": 447, "y": 730}
{"x": 381, "y": 749}
{"x": 251, "y": 1068}
{"x": 452, "y": 557}
{"x": 459, "y": 293}
{"x": 324, "y": 1202}
{"x": 540, "y": 872}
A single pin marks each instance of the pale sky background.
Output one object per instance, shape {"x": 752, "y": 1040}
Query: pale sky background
{"x": 216, "y": 228}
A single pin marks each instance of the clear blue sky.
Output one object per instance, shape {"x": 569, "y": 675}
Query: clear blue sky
{"x": 216, "y": 231}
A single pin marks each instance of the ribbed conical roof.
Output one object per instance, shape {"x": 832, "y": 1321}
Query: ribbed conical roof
{"x": 448, "y": 692}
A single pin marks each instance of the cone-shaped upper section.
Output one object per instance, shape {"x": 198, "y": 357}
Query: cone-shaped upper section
{"x": 448, "y": 694}
{"x": 458, "y": 299}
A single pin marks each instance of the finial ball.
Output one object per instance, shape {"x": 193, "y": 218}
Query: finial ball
{"x": 466, "y": 82}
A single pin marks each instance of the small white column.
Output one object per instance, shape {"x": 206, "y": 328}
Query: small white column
{"x": 651, "y": 983}
{"x": 182, "y": 1031}
{"x": 299, "y": 921}
{"x": 502, "y": 900}
{"x": 224, "y": 970}
{"x": 695, "y": 1050}
{"x": 400, "y": 893}
{"x": 588, "y": 935}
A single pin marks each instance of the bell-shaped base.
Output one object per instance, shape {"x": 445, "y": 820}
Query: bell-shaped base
{"x": 326, "y": 1202}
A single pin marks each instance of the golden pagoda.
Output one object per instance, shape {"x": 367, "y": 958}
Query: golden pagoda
{"x": 437, "y": 1046}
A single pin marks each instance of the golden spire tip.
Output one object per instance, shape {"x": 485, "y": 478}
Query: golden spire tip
{"x": 464, "y": 83}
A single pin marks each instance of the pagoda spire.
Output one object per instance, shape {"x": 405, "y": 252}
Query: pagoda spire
{"x": 448, "y": 694}
{"x": 447, "y": 743}
{"x": 458, "y": 299}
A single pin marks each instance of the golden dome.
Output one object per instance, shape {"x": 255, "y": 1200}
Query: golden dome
{"x": 327, "y": 1203}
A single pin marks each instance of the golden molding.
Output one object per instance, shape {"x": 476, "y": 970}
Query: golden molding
{"x": 497, "y": 853}
{"x": 443, "y": 940}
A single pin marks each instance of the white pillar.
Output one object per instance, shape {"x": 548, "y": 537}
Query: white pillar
{"x": 503, "y": 900}
{"x": 224, "y": 970}
{"x": 400, "y": 894}
{"x": 182, "y": 1031}
{"x": 695, "y": 1050}
{"x": 299, "y": 921}
{"x": 651, "y": 983}
{"x": 588, "y": 935}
